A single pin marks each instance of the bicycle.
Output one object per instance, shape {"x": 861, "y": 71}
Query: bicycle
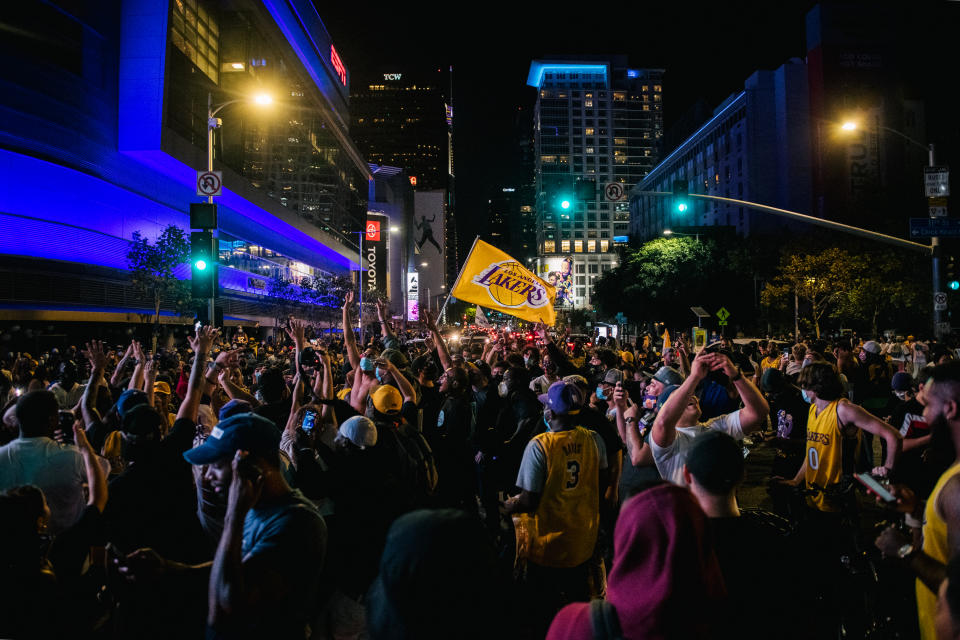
{"x": 853, "y": 590}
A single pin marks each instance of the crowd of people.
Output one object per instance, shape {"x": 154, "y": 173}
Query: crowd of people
{"x": 518, "y": 485}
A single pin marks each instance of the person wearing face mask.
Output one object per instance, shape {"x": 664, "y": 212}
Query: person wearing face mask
{"x": 562, "y": 477}
{"x": 531, "y": 360}
{"x": 834, "y": 426}
{"x": 540, "y": 384}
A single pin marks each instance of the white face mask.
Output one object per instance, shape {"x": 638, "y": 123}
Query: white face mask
{"x": 902, "y": 395}
{"x": 502, "y": 389}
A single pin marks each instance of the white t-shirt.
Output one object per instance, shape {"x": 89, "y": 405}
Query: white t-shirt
{"x": 541, "y": 384}
{"x": 670, "y": 459}
{"x": 55, "y": 468}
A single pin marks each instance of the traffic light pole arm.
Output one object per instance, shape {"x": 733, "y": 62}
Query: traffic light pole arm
{"x": 829, "y": 224}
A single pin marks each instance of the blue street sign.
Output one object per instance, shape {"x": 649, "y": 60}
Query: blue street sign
{"x": 930, "y": 227}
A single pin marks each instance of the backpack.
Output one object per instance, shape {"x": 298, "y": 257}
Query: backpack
{"x": 420, "y": 463}
{"x": 604, "y": 621}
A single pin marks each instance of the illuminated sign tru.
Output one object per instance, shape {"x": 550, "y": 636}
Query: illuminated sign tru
{"x": 392, "y": 76}
{"x": 338, "y": 65}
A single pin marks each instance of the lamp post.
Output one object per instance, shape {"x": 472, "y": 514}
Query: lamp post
{"x": 213, "y": 122}
{"x": 670, "y": 232}
{"x": 851, "y": 125}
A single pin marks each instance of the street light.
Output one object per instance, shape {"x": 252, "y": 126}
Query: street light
{"x": 213, "y": 122}
{"x": 852, "y": 125}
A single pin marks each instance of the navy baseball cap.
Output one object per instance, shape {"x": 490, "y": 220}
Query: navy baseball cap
{"x": 234, "y": 407}
{"x": 130, "y": 399}
{"x": 247, "y": 431}
{"x": 562, "y": 397}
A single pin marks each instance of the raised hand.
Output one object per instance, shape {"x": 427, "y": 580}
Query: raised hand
{"x": 347, "y": 300}
{"x": 203, "y": 341}
{"x": 229, "y": 359}
{"x": 95, "y": 355}
{"x": 297, "y": 331}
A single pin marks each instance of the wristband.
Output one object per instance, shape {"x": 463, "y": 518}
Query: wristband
{"x": 738, "y": 376}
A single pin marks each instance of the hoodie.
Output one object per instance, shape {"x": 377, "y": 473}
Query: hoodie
{"x": 666, "y": 581}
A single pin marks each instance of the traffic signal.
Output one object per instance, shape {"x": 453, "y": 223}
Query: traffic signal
{"x": 681, "y": 198}
{"x": 586, "y": 189}
{"x": 951, "y": 272}
{"x": 559, "y": 194}
{"x": 203, "y": 265}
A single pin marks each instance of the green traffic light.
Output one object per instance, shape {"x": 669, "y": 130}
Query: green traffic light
{"x": 565, "y": 204}
{"x": 682, "y": 207}
{"x": 954, "y": 284}
{"x": 200, "y": 265}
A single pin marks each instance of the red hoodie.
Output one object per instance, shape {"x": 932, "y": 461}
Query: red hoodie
{"x": 665, "y": 581}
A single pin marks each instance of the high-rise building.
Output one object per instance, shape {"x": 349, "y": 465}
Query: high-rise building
{"x": 404, "y": 118}
{"x": 755, "y": 147}
{"x": 596, "y": 119}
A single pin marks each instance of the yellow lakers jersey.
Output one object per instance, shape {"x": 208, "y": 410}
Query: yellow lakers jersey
{"x": 564, "y": 527}
{"x": 825, "y": 452}
{"x": 936, "y": 546}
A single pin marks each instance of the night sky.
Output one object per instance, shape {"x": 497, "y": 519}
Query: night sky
{"x": 707, "y": 50}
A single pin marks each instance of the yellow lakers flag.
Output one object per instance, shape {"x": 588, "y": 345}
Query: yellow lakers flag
{"x": 497, "y": 281}
{"x": 666, "y": 339}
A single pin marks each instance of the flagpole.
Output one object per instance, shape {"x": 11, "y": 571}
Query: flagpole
{"x": 459, "y": 275}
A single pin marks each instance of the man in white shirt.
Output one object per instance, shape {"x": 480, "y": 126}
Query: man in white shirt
{"x": 678, "y": 423}
{"x": 66, "y": 389}
{"x": 35, "y": 458}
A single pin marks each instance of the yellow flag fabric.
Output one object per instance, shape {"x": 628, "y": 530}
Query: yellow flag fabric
{"x": 498, "y": 281}
{"x": 666, "y": 339}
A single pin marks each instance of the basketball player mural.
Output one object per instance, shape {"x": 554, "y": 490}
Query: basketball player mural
{"x": 565, "y": 282}
{"x": 426, "y": 233}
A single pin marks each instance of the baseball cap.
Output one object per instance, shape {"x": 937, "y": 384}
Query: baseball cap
{"x": 359, "y": 430}
{"x": 387, "y": 399}
{"x": 247, "y": 431}
{"x": 578, "y": 380}
{"x": 562, "y": 397}
{"x": 668, "y": 375}
{"x": 772, "y": 380}
{"x": 716, "y": 461}
{"x": 613, "y": 376}
{"x": 395, "y": 357}
{"x": 234, "y": 407}
{"x": 161, "y": 387}
{"x": 130, "y": 399}
{"x": 871, "y": 346}
{"x": 901, "y": 381}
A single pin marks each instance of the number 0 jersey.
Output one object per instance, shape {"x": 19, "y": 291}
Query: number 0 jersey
{"x": 829, "y": 453}
{"x": 564, "y": 526}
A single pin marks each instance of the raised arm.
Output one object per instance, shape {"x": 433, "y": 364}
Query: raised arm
{"x": 98, "y": 364}
{"x": 389, "y": 337}
{"x": 121, "y": 366}
{"x": 137, "y": 379}
{"x": 350, "y": 340}
{"x": 235, "y": 391}
{"x": 850, "y": 413}
{"x": 323, "y": 385}
{"x": 200, "y": 344}
{"x": 297, "y": 331}
{"x": 149, "y": 378}
{"x": 755, "y": 410}
{"x": 664, "y": 430}
{"x": 96, "y": 477}
{"x": 430, "y": 319}
{"x": 406, "y": 389}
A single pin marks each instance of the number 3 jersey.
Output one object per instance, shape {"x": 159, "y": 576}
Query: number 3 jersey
{"x": 830, "y": 454}
{"x": 564, "y": 468}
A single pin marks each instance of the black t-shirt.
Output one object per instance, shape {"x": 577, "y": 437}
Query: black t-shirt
{"x": 759, "y": 564}
{"x": 593, "y": 420}
{"x": 455, "y": 425}
{"x": 153, "y": 502}
{"x": 430, "y": 403}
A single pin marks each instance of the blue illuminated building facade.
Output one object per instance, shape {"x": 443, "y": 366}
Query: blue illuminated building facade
{"x": 755, "y": 147}
{"x": 599, "y": 119}
{"x": 103, "y": 125}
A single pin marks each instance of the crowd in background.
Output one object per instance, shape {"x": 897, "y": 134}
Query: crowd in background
{"x": 507, "y": 483}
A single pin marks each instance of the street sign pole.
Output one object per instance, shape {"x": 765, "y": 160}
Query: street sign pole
{"x": 935, "y": 256}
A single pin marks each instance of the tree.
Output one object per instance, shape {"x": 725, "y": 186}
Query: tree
{"x": 886, "y": 288}
{"x": 660, "y": 280}
{"x": 152, "y": 267}
{"x": 820, "y": 280}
